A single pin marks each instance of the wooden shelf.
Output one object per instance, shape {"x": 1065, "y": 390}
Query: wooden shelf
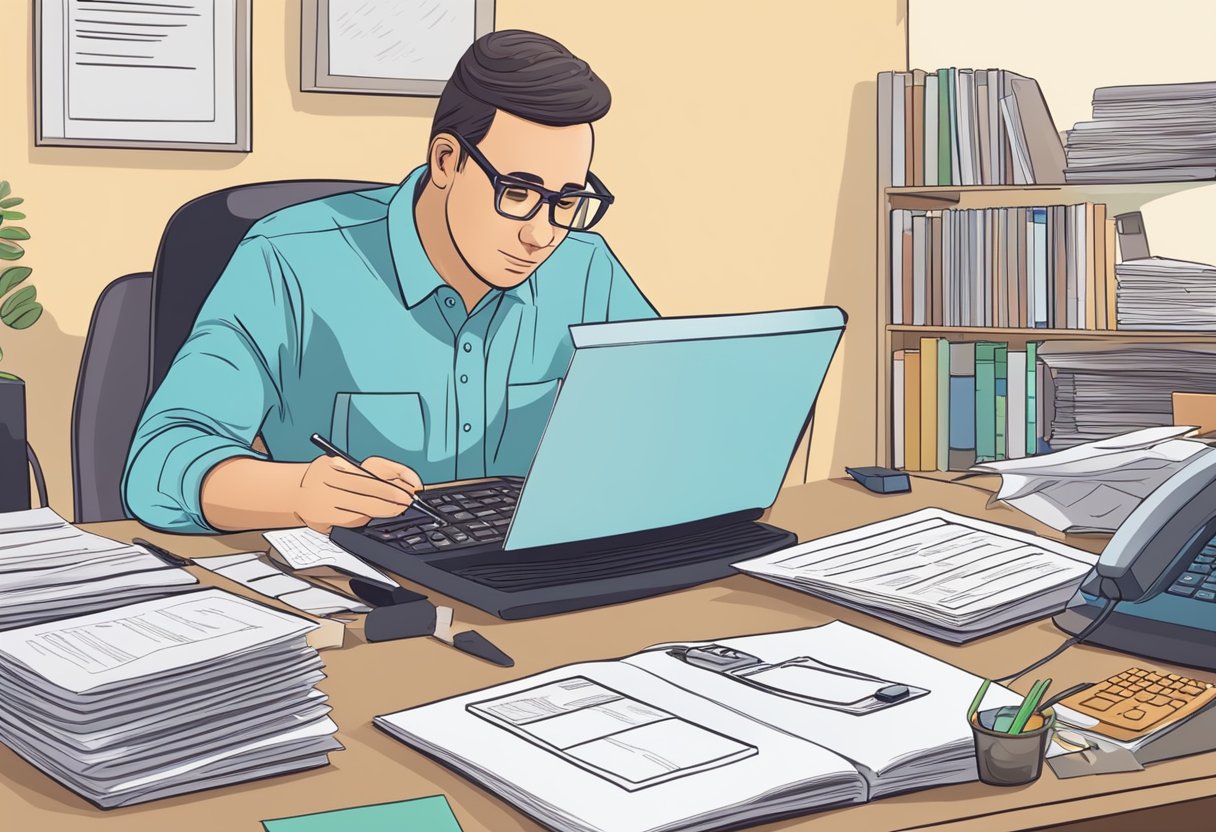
{"x": 905, "y": 337}
{"x": 1120, "y": 197}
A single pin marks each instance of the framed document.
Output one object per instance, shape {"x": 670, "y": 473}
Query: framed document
{"x": 387, "y": 47}
{"x": 156, "y": 74}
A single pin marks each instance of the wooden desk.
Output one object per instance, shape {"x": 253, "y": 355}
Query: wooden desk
{"x": 369, "y": 679}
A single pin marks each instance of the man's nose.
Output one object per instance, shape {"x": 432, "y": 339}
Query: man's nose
{"x": 536, "y": 235}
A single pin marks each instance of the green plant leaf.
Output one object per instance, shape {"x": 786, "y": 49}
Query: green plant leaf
{"x": 12, "y": 215}
{"x": 11, "y": 202}
{"x": 14, "y": 232}
{"x": 20, "y": 298}
{"x": 13, "y": 276}
{"x": 24, "y": 316}
{"x": 10, "y": 251}
{"x": 5, "y": 190}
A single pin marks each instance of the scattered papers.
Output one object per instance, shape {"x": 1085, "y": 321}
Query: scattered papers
{"x": 1161, "y": 293}
{"x": 164, "y": 697}
{"x": 51, "y": 569}
{"x": 939, "y": 573}
{"x": 265, "y": 578}
{"x": 303, "y": 548}
{"x": 1094, "y": 487}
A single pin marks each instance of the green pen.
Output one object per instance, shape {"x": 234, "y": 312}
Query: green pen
{"x": 979, "y": 697}
{"x": 1029, "y": 705}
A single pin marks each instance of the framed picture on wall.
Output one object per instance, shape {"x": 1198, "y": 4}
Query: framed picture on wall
{"x": 387, "y": 47}
{"x": 156, "y": 74}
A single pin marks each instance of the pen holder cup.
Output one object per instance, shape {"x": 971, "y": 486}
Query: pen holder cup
{"x": 1012, "y": 759}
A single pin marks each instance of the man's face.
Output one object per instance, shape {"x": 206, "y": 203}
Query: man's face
{"x": 500, "y": 250}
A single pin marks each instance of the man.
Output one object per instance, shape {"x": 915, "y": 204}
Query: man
{"x": 422, "y": 327}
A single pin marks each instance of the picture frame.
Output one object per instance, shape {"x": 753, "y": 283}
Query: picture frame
{"x": 337, "y": 39}
{"x": 181, "y": 86}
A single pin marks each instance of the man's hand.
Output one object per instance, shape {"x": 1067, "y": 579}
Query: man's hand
{"x": 333, "y": 492}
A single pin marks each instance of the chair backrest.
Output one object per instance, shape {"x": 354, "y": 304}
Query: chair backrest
{"x": 198, "y": 242}
{"x": 110, "y": 393}
{"x": 141, "y": 320}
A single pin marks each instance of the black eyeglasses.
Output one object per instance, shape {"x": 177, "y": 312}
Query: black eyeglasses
{"x": 518, "y": 199}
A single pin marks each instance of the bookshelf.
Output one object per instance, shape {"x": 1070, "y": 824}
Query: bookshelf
{"x": 1119, "y": 198}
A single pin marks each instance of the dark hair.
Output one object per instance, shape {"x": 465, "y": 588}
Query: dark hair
{"x": 527, "y": 75}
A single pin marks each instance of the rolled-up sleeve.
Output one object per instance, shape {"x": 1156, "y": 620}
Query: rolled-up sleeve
{"x": 217, "y": 393}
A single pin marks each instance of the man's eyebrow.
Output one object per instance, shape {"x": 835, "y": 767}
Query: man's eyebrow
{"x": 529, "y": 177}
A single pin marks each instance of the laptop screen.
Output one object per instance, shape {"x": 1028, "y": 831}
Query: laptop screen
{"x": 673, "y": 420}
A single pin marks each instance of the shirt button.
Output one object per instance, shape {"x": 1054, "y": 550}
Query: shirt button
{"x": 464, "y": 379}
{"x": 468, "y": 347}
{"x": 450, "y": 302}
{"x": 467, "y": 427}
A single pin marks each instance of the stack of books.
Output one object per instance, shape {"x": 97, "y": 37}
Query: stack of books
{"x": 956, "y": 404}
{"x": 965, "y": 127}
{"x": 165, "y": 696}
{"x": 1161, "y": 293}
{"x": 1103, "y": 390}
{"x": 1146, "y": 133}
{"x": 1047, "y": 267}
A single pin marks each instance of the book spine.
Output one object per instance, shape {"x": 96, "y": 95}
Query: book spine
{"x": 911, "y": 410}
{"x": 966, "y": 111}
{"x": 1001, "y": 386}
{"x": 897, "y": 129}
{"x": 1112, "y": 285}
{"x": 920, "y": 279}
{"x": 955, "y": 177}
{"x": 985, "y": 401}
{"x": 885, "y": 83}
{"x": 1070, "y": 266}
{"x": 943, "y": 404}
{"x": 981, "y": 122}
{"x": 928, "y": 403}
{"x": 909, "y": 138}
{"x": 1100, "y": 266}
{"x": 918, "y": 127}
{"x": 1032, "y": 398}
{"x": 907, "y": 269}
{"x": 897, "y": 266}
{"x": 897, "y": 409}
{"x": 935, "y": 278}
{"x": 1040, "y": 267}
{"x": 1015, "y": 408}
{"x": 1091, "y": 315}
{"x": 932, "y": 152}
{"x": 962, "y": 406}
{"x": 944, "y": 103}
{"x": 1059, "y": 271}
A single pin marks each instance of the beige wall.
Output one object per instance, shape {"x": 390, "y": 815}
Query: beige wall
{"x": 1074, "y": 46}
{"x": 764, "y": 115}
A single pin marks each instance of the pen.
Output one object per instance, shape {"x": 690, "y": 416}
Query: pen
{"x": 164, "y": 554}
{"x": 1029, "y": 705}
{"x": 332, "y": 450}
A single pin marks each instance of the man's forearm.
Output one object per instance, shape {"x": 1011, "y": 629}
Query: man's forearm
{"x": 244, "y": 493}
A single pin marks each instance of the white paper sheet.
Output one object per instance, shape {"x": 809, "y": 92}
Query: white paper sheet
{"x": 304, "y": 547}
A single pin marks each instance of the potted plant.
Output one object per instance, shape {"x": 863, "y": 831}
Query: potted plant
{"x": 19, "y": 310}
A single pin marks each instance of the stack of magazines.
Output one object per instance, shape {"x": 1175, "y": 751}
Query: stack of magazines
{"x": 1161, "y": 293}
{"x": 165, "y": 696}
{"x": 1146, "y": 133}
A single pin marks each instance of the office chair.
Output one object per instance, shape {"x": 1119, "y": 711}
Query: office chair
{"x": 142, "y": 319}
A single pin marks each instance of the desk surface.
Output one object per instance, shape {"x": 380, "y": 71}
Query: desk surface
{"x": 369, "y": 679}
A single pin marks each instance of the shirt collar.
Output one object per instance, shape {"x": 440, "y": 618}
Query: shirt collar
{"x": 415, "y": 274}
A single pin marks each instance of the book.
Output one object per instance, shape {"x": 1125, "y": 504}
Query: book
{"x": 1044, "y": 150}
{"x": 985, "y": 401}
{"x": 912, "y": 458}
{"x": 931, "y": 151}
{"x": 943, "y": 405}
{"x": 899, "y": 81}
{"x": 653, "y": 742}
{"x": 1042, "y": 292}
{"x": 164, "y": 697}
{"x": 1032, "y": 402}
{"x": 944, "y": 105}
{"x": 918, "y": 127}
{"x": 886, "y": 83}
{"x": 958, "y": 578}
{"x": 1001, "y": 384}
{"x": 928, "y": 403}
{"x": 955, "y": 175}
{"x": 897, "y": 400}
{"x": 423, "y": 814}
{"x": 962, "y": 406}
{"x": 1015, "y": 408}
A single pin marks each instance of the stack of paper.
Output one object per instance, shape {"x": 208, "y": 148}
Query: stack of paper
{"x": 164, "y": 697}
{"x": 252, "y": 570}
{"x": 51, "y": 569}
{"x": 1095, "y": 486}
{"x": 1149, "y": 132}
{"x": 1160, "y": 293}
{"x": 1103, "y": 390}
{"x": 939, "y": 573}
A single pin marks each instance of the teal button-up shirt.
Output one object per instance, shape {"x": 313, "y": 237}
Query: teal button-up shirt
{"x": 330, "y": 318}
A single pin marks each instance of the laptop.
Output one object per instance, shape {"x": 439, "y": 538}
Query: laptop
{"x": 667, "y": 440}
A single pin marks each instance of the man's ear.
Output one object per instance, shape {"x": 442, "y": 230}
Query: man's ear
{"x": 443, "y": 155}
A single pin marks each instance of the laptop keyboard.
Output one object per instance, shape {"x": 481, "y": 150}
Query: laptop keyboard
{"x": 477, "y": 515}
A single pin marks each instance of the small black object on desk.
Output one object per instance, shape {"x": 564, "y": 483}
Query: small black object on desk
{"x": 881, "y": 480}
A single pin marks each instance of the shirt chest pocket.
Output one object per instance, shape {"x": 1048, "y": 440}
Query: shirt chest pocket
{"x": 528, "y": 408}
{"x": 390, "y": 425}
